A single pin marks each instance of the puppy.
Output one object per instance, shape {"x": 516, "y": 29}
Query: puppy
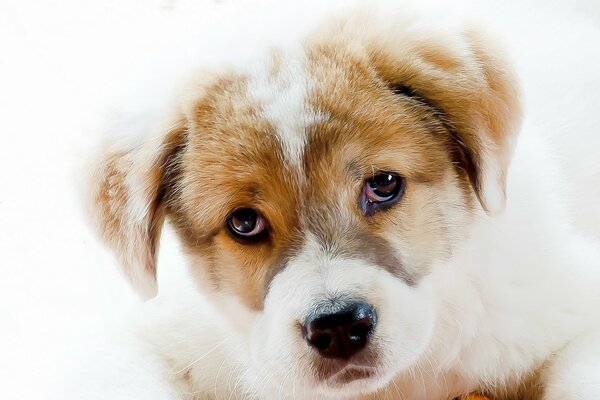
{"x": 355, "y": 208}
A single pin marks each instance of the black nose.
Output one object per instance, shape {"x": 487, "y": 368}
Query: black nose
{"x": 341, "y": 334}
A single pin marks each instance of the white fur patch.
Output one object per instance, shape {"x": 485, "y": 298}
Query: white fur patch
{"x": 282, "y": 95}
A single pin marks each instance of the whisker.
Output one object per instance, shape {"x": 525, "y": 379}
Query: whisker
{"x": 200, "y": 358}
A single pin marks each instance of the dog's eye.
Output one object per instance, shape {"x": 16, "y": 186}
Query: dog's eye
{"x": 382, "y": 187}
{"x": 381, "y": 192}
{"x": 246, "y": 223}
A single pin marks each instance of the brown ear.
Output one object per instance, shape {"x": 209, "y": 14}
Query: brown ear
{"x": 466, "y": 78}
{"x": 128, "y": 204}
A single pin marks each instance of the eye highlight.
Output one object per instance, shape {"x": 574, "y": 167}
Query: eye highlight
{"x": 247, "y": 224}
{"x": 381, "y": 192}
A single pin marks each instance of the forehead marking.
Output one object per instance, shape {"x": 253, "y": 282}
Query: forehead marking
{"x": 281, "y": 87}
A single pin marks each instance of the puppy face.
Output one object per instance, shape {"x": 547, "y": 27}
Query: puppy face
{"x": 317, "y": 189}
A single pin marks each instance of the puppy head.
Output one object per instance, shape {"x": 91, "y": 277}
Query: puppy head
{"x": 318, "y": 189}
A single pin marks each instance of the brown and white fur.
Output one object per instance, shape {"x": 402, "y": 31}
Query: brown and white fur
{"x": 480, "y": 279}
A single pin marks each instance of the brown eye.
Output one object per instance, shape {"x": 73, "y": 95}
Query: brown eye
{"x": 246, "y": 224}
{"x": 380, "y": 192}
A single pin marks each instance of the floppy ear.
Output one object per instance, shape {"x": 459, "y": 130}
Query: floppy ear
{"x": 465, "y": 77}
{"x": 128, "y": 196}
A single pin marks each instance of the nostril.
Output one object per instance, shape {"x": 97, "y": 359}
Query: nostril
{"x": 321, "y": 341}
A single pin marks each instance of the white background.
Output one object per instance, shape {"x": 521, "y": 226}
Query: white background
{"x": 59, "y": 62}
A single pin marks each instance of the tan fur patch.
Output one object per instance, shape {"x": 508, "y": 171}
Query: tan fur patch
{"x": 233, "y": 160}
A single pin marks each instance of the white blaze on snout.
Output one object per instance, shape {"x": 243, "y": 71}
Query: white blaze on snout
{"x": 314, "y": 278}
{"x": 281, "y": 87}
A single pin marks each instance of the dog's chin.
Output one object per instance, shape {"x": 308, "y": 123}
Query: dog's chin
{"x": 341, "y": 378}
{"x": 336, "y": 380}
{"x": 365, "y": 379}
{"x": 352, "y": 382}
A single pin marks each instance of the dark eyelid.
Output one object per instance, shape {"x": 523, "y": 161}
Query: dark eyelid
{"x": 380, "y": 171}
